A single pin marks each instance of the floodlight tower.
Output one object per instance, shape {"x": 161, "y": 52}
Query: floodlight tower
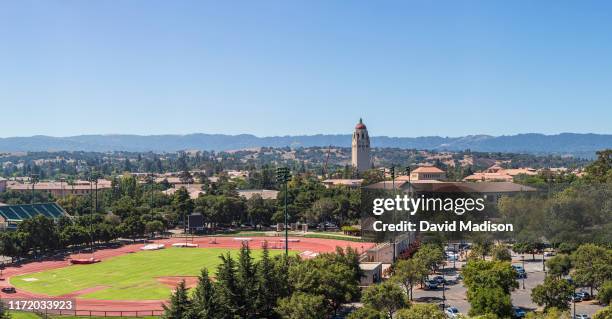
{"x": 282, "y": 177}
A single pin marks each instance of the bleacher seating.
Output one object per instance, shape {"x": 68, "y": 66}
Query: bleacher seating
{"x": 17, "y": 213}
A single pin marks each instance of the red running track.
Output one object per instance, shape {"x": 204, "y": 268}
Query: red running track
{"x": 299, "y": 244}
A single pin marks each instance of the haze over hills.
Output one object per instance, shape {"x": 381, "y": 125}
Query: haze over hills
{"x": 583, "y": 145}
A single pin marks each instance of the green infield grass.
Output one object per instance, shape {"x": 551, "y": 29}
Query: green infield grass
{"x": 127, "y": 277}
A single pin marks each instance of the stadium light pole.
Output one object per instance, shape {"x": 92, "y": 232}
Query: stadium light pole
{"x": 282, "y": 177}
{"x": 34, "y": 180}
{"x": 407, "y": 171}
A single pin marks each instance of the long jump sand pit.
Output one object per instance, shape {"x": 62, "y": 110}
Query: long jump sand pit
{"x": 129, "y": 279}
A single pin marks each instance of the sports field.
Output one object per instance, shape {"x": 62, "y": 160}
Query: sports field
{"x": 144, "y": 275}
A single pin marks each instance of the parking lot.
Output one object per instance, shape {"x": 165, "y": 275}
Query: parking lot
{"x": 455, "y": 292}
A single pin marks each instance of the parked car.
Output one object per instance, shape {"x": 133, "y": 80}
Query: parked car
{"x": 452, "y": 312}
{"x": 581, "y": 316}
{"x": 576, "y": 297}
{"x": 464, "y": 246}
{"x": 584, "y": 295}
{"x": 439, "y": 279}
{"x": 518, "y": 312}
{"x": 431, "y": 285}
{"x": 521, "y": 273}
{"x": 9, "y": 290}
{"x": 549, "y": 254}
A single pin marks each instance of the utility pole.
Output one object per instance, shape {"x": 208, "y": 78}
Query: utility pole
{"x": 455, "y": 253}
{"x": 523, "y": 261}
{"x": 282, "y": 177}
{"x": 443, "y": 289}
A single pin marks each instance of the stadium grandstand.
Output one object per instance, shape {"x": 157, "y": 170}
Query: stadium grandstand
{"x": 11, "y": 215}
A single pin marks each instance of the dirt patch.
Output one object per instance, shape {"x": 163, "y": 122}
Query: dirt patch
{"x": 172, "y": 281}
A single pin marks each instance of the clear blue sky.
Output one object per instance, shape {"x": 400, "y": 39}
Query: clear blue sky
{"x": 409, "y": 68}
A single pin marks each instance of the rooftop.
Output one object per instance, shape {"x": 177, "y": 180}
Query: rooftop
{"x": 102, "y": 183}
{"x": 456, "y": 187}
{"x": 427, "y": 169}
{"x": 264, "y": 193}
{"x": 369, "y": 265}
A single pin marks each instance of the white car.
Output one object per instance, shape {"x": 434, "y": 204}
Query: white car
{"x": 582, "y": 316}
{"x": 452, "y": 312}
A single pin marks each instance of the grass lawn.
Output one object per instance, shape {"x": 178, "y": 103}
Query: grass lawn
{"x": 23, "y": 315}
{"x": 127, "y": 277}
{"x": 338, "y": 236}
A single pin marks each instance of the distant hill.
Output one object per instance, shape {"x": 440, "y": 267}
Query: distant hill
{"x": 583, "y": 145}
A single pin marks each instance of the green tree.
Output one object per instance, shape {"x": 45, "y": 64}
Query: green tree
{"x": 154, "y": 226}
{"x": 601, "y": 169}
{"x": 490, "y": 274}
{"x": 593, "y": 265}
{"x": 559, "y": 265}
{"x": 268, "y": 284}
{"x": 132, "y": 227}
{"x": 349, "y": 257}
{"x": 482, "y": 247}
{"x": 302, "y": 306}
{"x": 205, "y": 302}
{"x": 387, "y": 297}
{"x": 327, "y": 277}
{"x": 179, "y": 304}
{"x": 246, "y": 279}
{"x": 485, "y": 300}
{"x": 604, "y": 295}
{"x": 366, "y": 313}
{"x": 528, "y": 247}
{"x": 550, "y": 313}
{"x": 501, "y": 253}
{"x": 229, "y": 292}
{"x": 430, "y": 255}
{"x": 258, "y": 210}
{"x": 605, "y": 313}
{"x": 567, "y": 248}
{"x": 182, "y": 203}
{"x": 421, "y": 311}
{"x": 553, "y": 292}
{"x": 322, "y": 210}
{"x": 408, "y": 272}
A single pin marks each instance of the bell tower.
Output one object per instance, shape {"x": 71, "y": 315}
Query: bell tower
{"x": 361, "y": 148}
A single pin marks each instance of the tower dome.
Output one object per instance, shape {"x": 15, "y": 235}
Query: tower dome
{"x": 360, "y": 125}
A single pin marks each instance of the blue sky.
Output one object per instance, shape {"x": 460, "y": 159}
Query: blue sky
{"x": 409, "y": 68}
